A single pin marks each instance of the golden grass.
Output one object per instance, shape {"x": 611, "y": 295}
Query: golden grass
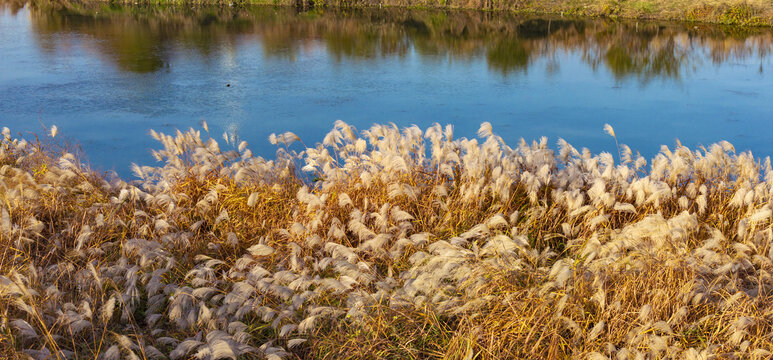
{"x": 728, "y": 12}
{"x": 386, "y": 243}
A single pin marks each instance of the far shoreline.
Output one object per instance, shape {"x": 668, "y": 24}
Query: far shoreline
{"x": 747, "y": 13}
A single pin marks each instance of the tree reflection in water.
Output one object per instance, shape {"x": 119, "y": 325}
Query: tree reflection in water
{"x": 141, "y": 39}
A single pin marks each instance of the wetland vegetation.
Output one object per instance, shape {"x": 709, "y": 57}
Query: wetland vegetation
{"x": 386, "y": 243}
{"x": 728, "y": 12}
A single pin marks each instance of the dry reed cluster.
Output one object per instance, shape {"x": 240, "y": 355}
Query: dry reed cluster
{"x": 386, "y": 243}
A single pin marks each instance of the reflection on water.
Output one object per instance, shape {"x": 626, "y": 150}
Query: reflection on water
{"x": 106, "y": 74}
{"x": 139, "y": 39}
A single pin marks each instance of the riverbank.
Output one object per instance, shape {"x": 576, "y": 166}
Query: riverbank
{"x": 727, "y": 12}
{"x": 385, "y": 243}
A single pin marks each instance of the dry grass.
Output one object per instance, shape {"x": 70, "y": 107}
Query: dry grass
{"x": 386, "y": 243}
{"x": 728, "y": 12}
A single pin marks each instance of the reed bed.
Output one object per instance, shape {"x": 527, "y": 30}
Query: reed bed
{"x": 386, "y": 243}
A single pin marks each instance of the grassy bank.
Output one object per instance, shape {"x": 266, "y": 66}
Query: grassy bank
{"x": 386, "y": 243}
{"x": 728, "y": 12}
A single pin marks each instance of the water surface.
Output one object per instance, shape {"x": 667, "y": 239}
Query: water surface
{"x": 105, "y": 75}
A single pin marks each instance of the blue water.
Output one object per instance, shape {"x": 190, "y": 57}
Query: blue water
{"x": 106, "y": 77}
